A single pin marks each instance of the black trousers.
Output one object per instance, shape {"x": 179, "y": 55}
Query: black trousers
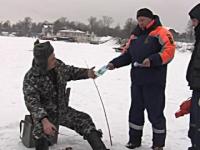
{"x": 194, "y": 129}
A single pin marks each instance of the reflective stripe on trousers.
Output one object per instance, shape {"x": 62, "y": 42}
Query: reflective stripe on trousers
{"x": 134, "y": 126}
{"x": 157, "y": 131}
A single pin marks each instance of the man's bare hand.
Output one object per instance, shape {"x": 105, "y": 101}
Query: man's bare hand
{"x": 48, "y": 127}
{"x": 110, "y": 66}
{"x": 91, "y": 73}
{"x": 146, "y": 62}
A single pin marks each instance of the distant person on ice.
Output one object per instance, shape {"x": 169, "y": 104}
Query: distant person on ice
{"x": 193, "y": 78}
{"x": 44, "y": 93}
{"x": 150, "y": 48}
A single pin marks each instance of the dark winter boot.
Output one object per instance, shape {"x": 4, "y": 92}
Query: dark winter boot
{"x": 157, "y": 148}
{"x": 41, "y": 144}
{"x": 133, "y": 145}
{"x": 191, "y": 148}
{"x": 94, "y": 139}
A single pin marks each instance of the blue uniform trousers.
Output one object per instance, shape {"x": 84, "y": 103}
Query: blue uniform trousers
{"x": 152, "y": 98}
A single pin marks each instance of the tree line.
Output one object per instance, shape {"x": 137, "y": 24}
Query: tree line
{"x": 101, "y": 27}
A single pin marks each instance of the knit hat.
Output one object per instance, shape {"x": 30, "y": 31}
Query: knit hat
{"x": 41, "y": 53}
{"x": 195, "y": 12}
{"x": 145, "y": 12}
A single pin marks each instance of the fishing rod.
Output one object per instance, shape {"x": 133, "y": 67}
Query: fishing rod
{"x": 102, "y": 107}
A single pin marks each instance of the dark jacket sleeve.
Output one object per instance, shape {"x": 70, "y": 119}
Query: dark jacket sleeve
{"x": 155, "y": 59}
{"x": 123, "y": 60}
{"x": 32, "y": 99}
{"x": 197, "y": 59}
{"x": 193, "y": 70}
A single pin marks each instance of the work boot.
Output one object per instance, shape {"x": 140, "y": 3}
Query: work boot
{"x": 157, "y": 148}
{"x": 41, "y": 144}
{"x": 133, "y": 145}
{"x": 191, "y": 148}
{"x": 94, "y": 139}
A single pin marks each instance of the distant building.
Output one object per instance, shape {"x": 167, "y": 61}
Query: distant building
{"x": 77, "y": 35}
{"x": 3, "y": 33}
{"x": 94, "y": 39}
{"x": 47, "y": 31}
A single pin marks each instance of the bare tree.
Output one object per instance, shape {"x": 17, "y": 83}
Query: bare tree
{"x": 189, "y": 32}
{"x": 6, "y": 26}
{"x": 129, "y": 26}
{"x": 107, "y": 21}
{"x": 92, "y": 23}
{"x": 27, "y": 25}
{"x": 60, "y": 24}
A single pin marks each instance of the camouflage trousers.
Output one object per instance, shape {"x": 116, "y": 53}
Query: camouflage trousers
{"x": 71, "y": 118}
{"x": 78, "y": 121}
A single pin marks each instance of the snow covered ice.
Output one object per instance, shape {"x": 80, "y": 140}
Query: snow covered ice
{"x": 16, "y": 58}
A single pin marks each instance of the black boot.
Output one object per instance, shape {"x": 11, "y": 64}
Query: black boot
{"x": 191, "y": 148}
{"x": 133, "y": 145}
{"x": 41, "y": 144}
{"x": 94, "y": 139}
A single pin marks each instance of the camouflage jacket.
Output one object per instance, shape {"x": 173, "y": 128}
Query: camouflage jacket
{"x": 45, "y": 99}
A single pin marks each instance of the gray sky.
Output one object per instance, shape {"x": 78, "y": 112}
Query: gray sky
{"x": 173, "y": 13}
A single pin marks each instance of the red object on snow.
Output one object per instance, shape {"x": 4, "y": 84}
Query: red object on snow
{"x": 184, "y": 108}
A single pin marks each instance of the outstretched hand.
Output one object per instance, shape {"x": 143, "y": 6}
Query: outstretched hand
{"x": 110, "y": 66}
{"x": 91, "y": 73}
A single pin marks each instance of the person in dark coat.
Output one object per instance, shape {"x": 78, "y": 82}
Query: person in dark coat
{"x": 193, "y": 78}
{"x": 149, "y": 50}
{"x": 45, "y": 96}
